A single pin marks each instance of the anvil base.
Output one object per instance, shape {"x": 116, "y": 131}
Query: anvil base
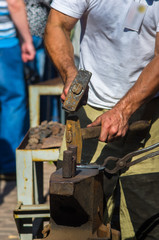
{"x": 76, "y": 205}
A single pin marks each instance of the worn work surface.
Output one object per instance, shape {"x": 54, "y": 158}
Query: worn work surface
{"x": 8, "y": 202}
{"x": 46, "y": 135}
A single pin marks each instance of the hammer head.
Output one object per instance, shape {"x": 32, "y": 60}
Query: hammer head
{"x": 76, "y": 90}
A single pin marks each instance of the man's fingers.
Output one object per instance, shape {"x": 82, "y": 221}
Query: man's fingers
{"x": 97, "y": 122}
{"x": 112, "y": 128}
{"x": 112, "y": 135}
{"x": 63, "y": 97}
{"x": 64, "y": 94}
{"x": 112, "y": 138}
{"x": 103, "y": 137}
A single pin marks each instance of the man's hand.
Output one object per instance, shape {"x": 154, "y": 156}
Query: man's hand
{"x": 83, "y": 100}
{"x": 65, "y": 90}
{"x": 18, "y": 11}
{"x": 28, "y": 51}
{"x": 68, "y": 83}
{"x": 113, "y": 125}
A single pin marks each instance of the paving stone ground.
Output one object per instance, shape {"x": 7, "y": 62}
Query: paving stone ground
{"x": 8, "y": 202}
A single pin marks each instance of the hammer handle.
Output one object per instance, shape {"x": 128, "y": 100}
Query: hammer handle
{"x": 94, "y": 132}
{"x": 91, "y": 132}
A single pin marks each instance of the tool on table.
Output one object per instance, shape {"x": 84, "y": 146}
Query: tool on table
{"x": 75, "y": 134}
{"x": 77, "y": 90}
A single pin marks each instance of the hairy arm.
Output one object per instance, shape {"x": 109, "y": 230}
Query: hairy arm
{"x": 59, "y": 47}
{"x": 19, "y": 17}
{"x": 115, "y": 122}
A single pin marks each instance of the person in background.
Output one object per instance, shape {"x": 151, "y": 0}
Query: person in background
{"x": 16, "y": 48}
{"x": 41, "y": 68}
{"x": 37, "y": 14}
{"x": 119, "y": 44}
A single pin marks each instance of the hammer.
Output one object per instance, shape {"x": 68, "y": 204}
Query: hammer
{"x": 75, "y": 134}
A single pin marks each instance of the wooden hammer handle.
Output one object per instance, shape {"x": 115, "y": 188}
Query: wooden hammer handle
{"x": 94, "y": 132}
{"x": 91, "y": 132}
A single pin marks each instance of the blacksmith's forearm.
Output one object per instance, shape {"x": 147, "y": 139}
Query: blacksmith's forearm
{"x": 143, "y": 90}
{"x": 60, "y": 49}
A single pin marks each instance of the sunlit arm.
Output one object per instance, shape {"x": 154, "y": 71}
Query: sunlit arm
{"x": 59, "y": 47}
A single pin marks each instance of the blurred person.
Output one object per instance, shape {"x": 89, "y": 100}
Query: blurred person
{"x": 37, "y": 14}
{"x": 41, "y": 68}
{"x": 16, "y": 47}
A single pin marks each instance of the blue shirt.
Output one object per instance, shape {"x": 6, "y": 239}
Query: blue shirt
{"x": 8, "y": 35}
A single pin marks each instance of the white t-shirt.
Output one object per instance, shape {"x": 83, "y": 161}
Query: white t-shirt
{"x": 115, "y": 56}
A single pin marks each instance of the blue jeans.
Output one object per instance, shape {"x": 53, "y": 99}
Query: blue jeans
{"x": 13, "y": 110}
{"x": 38, "y": 64}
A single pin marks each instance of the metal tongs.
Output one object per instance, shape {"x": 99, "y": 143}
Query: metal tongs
{"x": 114, "y": 164}
{"x": 125, "y": 162}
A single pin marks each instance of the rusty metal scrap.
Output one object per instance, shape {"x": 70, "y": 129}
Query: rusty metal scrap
{"x": 46, "y": 135}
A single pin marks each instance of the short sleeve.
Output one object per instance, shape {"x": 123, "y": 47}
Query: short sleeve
{"x": 72, "y": 8}
{"x": 157, "y": 28}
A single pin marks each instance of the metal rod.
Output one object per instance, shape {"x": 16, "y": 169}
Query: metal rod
{"x": 67, "y": 164}
{"x": 73, "y": 148}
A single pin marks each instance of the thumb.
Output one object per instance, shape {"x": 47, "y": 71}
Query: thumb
{"x": 24, "y": 58}
{"x": 63, "y": 97}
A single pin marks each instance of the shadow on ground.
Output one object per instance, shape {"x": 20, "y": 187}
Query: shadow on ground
{"x": 5, "y": 188}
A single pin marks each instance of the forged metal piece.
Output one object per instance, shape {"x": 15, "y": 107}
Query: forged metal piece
{"x": 67, "y": 164}
{"x": 73, "y": 148}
